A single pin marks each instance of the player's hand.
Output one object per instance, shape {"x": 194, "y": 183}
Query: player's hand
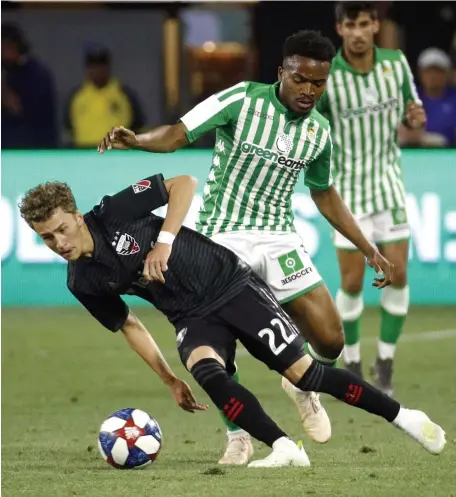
{"x": 416, "y": 115}
{"x": 118, "y": 138}
{"x": 382, "y": 266}
{"x": 156, "y": 262}
{"x": 184, "y": 397}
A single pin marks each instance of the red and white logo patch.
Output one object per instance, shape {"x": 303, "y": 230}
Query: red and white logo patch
{"x": 141, "y": 186}
{"x": 125, "y": 244}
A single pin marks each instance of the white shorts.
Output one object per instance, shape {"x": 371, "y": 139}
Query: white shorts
{"x": 380, "y": 228}
{"x": 279, "y": 258}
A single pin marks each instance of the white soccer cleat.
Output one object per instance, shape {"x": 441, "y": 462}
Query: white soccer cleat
{"x": 284, "y": 453}
{"x": 239, "y": 449}
{"x": 314, "y": 417}
{"x": 418, "y": 425}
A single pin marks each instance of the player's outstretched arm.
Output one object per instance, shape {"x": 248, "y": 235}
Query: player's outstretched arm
{"x": 164, "y": 139}
{"x": 331, "y": 205}
{"x": 180, "y": 195}
{"x": 144, "y": 345}
{"x": 181, "y": 190}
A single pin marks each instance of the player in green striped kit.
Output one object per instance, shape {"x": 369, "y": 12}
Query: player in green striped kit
{"x": 370, "y": 92}
{"x": 266, "y": 135}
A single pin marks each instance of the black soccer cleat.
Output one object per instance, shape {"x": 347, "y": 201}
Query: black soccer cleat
{"x": 355, "y": 368}
{"x": 382, "y": 373}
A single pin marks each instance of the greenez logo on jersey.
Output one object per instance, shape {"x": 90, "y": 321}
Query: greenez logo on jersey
{"x": 371, "y": 108}
{"x": 265, "y": 153}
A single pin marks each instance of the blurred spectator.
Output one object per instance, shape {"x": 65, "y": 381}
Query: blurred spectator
{"x": 100, "y": 102}
{"x": 28, "y": 95}
{"x": 413, "y": 27}
{"x": 439, "y": 101}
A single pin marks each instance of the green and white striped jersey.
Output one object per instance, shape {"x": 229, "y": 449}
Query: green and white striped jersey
{"x": 261, "y": 148}
{"x": 364, "y": 111}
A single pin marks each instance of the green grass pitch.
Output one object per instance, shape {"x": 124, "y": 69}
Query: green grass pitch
{"x": 62, "y": 374}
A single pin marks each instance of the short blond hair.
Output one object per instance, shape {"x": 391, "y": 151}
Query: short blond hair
{"x": 39, "y": 203}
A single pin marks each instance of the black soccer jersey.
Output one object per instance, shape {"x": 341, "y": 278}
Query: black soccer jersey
{"x": 201, "y": 276}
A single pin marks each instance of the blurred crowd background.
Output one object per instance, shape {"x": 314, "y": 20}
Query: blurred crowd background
{"x": 71, "y": 71}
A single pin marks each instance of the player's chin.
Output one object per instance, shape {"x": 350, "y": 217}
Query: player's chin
{"x": 302, "y": 110}
{"x": 359, "y": 48}
{"x": 72, "y": 255}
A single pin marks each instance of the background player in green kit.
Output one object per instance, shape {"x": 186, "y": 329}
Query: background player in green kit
{"x": 370, "y": 92}
{"x": 266, "y": 135}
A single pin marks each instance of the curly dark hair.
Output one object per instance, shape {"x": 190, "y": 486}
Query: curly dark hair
{"x": 351, "y": 10}
{"x": 309, "y": 44}
{"x": 39, "y": 203}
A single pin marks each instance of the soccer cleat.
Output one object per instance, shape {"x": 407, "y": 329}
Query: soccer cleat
{"x": 355, "y": 368}
{"x": 382, "y": 373}
{"x": 284, "y": 453}
{"x": 314, "y": 417}
{"x": 417, "y": 424}
{"x": 239, "y": 449}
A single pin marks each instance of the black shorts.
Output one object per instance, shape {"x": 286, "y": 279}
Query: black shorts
{"x": 256, "y": 319}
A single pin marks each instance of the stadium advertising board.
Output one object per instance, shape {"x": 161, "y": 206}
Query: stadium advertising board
{"x": 32, "y": 275}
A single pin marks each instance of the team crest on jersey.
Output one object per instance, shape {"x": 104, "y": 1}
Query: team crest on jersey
{"x": 387, "y": 72}
{"x": 125, "y": 244}
{"x": 284, "y": 144}
{"x": 141, "y": 186}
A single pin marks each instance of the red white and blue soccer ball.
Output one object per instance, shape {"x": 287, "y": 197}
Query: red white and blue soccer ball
{"x": 129, "y": 439}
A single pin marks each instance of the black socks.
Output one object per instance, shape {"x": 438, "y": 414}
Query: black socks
{"x": 349, "y": 388}
{"x": 238, "y": 404}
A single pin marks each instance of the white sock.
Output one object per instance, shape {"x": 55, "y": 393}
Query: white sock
{"x": 386, "y": 350}
{"x": 399, "y": 420}
{"x": 352, "y": 353}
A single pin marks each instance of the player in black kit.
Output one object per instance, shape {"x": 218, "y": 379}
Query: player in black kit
{"x": 209, "y": 295}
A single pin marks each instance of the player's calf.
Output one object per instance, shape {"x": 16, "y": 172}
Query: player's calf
{"x": 242, "y": 407}
{"x": 239, "y": 405}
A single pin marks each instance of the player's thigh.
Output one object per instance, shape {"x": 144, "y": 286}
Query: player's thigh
{"x": 397, "y": 253}
{"x": 350, "y": 258}
{"x": 392, "y": 234}
{"x": 289, "y": 270}
{"x": 352, "y": 265}
{"x": 243, "y": 245}
{"x": 316, "y": 316}
{"x": 202, "y": 338}
{"x": 258, "y": 321}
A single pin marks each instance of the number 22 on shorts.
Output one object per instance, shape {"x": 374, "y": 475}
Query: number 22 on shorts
{"x": 272, "y": 335}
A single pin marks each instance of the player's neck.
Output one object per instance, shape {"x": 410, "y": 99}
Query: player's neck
{"x": 88, "y": 245}
{"x": 362, "y": 63}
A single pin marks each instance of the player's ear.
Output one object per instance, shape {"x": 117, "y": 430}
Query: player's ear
{"x": 79, "y": 219}
{"x": 376, "y": 26}
{"x": 279, "y": 73}
{"x": 339, "y": 28}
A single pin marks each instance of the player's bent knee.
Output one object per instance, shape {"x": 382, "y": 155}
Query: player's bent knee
{"x": 400, "y": 276}
{"x": 352, "y": 286}
{"x": 205, "y": 371}
{"x": 200, "y": 353}
{"x": 332, "y": 344}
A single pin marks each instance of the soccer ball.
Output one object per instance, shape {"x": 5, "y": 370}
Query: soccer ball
{"x": 129, "y": 439}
